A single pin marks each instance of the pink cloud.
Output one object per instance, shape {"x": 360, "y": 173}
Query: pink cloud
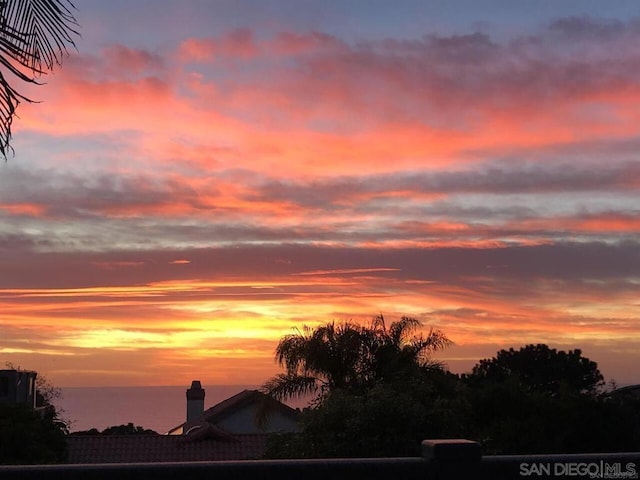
{"x": 294, "y": 43}
{"x": 123, "y": 59}
{"x": 194, "y": 49}
{"x": 238, "y": 44}
{"x": 334, "y": 107}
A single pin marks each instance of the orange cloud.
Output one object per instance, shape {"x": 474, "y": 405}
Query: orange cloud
{"x": 32, "y": 210}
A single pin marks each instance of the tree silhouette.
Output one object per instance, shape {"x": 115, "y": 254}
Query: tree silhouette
{"x": 128, "y": 429}
{"x": 541, "y": 369}
{"x": 541, "y": 400}
{"x": 377, "y": 390}
{"x": 34, "y": 35}
{"x": 349, "y": 356}
{"x": 31, "y": 437}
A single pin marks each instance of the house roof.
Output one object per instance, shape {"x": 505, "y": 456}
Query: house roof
{"x": 228, "y": 407}
{"x": 241, "y": 400}
{"x": 629, "y": 390}
{"x": 164, "y": 448}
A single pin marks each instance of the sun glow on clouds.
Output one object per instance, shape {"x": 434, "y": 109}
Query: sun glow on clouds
{"x": 198, "y": 338}
{"x": 188, "y": 202}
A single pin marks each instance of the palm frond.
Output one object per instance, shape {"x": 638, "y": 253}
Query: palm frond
{"x": 422, "y": 347}
{"x": 9, "y": 100}
{"x": 303, "y": 352}
{"x": 39, "y": 30}
{"x": 401, "y": 330}
{"x": 378, "y": 324}
{"x": 286, "y": 386}
{"x": 437, "y": 340}
{"x": 34, "y": 36}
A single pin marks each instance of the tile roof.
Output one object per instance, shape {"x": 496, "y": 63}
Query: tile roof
{"x": 163, "y": 448}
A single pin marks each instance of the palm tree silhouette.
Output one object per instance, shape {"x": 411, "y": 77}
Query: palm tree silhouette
{"x": 349, "y": 356}
{"x": 34, "y": 36}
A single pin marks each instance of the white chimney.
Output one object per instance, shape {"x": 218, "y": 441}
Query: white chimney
{"x": 195, "y": 401}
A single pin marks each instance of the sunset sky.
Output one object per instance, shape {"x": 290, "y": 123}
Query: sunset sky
{"x": 201, "y": 177}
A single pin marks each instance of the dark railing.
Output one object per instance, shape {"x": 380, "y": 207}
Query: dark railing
{"x": 441, "y": 460}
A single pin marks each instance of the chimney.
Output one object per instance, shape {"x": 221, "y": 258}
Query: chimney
{"x": 195, "y": 401}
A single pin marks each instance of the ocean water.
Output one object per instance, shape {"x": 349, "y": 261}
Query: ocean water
{"x": 156, "y": 408}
